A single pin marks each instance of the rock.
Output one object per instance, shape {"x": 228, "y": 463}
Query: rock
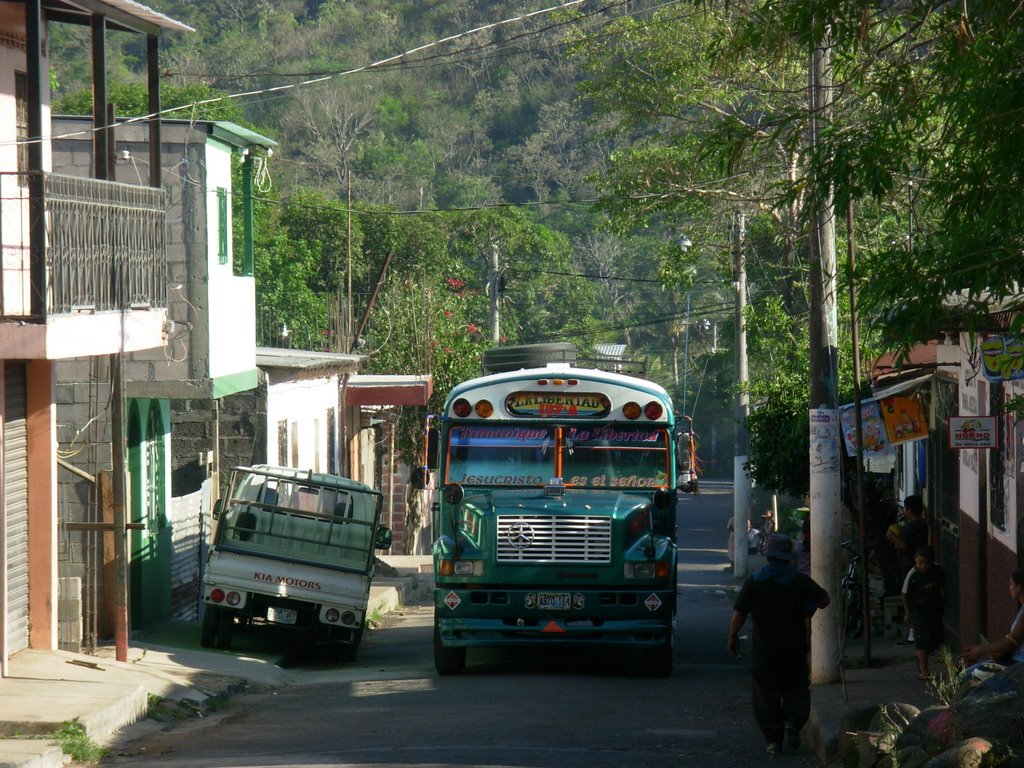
{"x": 890, "y": 721}
{"x": 967, "y": 754}
{"x": 933, "y": 731}
{"x": 895, "y": 715}
{"x": 867, "y": 748}
{"x": 852, "y": 722}
{"x": 911, "y": 757}
{"x": 994, "y": 711}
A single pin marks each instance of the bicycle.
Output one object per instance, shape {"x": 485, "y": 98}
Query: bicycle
{"x": 853, "y": 618}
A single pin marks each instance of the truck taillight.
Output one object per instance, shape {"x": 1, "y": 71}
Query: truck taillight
{"x": 218, "y": 595}
{"x": 484, "y": 409}
{"x": 653, "y": 410}
{"x": 446, "y": 567}
{"x": 461, "y": 407}
{"x": 631, "y": 410}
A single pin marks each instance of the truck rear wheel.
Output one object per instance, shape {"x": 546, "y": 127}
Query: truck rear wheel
{"x": 447, "y": 661}
{"x": 349, "y": 652}
{"x": 225, "y": 628}
{"x": 208, "y": 633}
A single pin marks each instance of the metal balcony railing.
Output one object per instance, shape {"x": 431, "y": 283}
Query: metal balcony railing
{"x": 105, "y": 248}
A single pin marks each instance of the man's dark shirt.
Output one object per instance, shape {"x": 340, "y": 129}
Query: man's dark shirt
{"x": 913, "y": 536}
{"x": 778, "y": 599}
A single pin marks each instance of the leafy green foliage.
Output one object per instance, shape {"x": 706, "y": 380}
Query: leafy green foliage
{"x": 196, "y": 102}
{"x": 74, "y": 741}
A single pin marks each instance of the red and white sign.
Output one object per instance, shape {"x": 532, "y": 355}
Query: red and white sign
{"x": 653, "y": 602}
{"x": 452, "y": 600}
{"x": 973, "y": 432}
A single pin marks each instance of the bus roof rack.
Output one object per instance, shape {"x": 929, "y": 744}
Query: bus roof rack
{"x": 503, "y": 359}
{"x": 614, "y": 365}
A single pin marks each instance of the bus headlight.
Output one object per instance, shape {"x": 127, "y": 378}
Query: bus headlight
{"x": 642, "y": 570}
{"x": 468, "y": 568}
{"x": 649, "y": 570}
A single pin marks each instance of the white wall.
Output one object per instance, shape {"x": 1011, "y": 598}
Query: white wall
{"x": 232, "y": 299}
{"x": 304, "y": 405}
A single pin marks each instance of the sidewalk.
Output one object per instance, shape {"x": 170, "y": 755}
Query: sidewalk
{"x": 46, "y": 689}
{"x": 892, "y": 677}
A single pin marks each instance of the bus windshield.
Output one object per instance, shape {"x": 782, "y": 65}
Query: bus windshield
{"x": 505, "y": 455}
{"x": 615, "y": 457}
{"x": 598, "y": 457}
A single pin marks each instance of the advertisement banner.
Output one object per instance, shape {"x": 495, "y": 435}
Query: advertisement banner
{"x": 824, "y": 441}
{"x": 886, "y": 422}
{"x": 973, "y": 432}
{"x": 904, "y": 419}
{"x": 1002, "y": 358}
{"x": 875, "y": 438}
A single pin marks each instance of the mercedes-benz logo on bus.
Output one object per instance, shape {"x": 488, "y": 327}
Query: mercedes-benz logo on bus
{"x": 520, "y": 535}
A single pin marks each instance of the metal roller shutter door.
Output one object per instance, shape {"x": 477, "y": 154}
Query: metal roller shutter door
{"x": 16, "y": 497}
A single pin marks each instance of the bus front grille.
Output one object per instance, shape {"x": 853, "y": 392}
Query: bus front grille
{"x": 554, "y": 539}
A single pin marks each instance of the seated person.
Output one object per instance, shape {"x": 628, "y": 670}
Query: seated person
{"x": 1007, "y": 649}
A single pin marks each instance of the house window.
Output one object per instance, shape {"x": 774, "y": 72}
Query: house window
{"x": 295, "y": 445}
{"x": 332, "y": 447}
{"x": 316, "y": 445}
{"x": 282, "y": 443}
{"x": 222, "y": 225}
{"x": 21, "y": 124}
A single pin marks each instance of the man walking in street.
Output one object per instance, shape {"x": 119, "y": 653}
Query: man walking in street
{"x": 781, "y": 602}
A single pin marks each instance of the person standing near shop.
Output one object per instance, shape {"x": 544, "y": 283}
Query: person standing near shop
{"x": 907, "y": 540}
{"x": 781, "y": 602}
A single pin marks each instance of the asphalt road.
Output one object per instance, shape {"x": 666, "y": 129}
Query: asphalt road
{"x": 516, "y": 709}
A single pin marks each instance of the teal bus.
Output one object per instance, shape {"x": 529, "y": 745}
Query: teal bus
{"x": 555, "y": 521}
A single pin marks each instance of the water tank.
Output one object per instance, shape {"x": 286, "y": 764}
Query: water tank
{"x": 501, "y": 359}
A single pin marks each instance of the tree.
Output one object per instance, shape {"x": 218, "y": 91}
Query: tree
{"x": 193, "y": 102}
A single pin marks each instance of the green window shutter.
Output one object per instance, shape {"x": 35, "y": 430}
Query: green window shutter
{"x": 222, "y": 225}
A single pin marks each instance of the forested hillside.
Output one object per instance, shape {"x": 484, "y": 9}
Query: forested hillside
{"x": 450, "y": 129}
{"x": 611, "y": 158}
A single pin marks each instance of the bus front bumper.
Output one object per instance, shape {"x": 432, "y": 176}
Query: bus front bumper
{"x": 644, "y": 619}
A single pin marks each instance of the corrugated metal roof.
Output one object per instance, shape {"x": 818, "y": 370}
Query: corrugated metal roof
{"x": 236, "y": 135}
{"x": 610, "y": 350}
{"x": 153, "y": 17}
{"x": 303, "y": 359}
{"x": 121, "y": 13}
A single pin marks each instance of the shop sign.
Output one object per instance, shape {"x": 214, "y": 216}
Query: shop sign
{"x": 972, "y": 432}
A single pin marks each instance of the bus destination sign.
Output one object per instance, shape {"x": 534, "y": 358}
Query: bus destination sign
{"x": 578, "y": 405}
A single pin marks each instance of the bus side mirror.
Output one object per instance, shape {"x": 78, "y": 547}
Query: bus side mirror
{"x": 433, "y": 443}
{"x": 216, "y": 509}
{"x": 683, "y": 450}
{"x": 383, "y": 538}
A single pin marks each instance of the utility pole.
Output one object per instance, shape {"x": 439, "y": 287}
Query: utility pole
{"x": 741, "y": 480}
{"x": 494, "y": 292}
{"x": 824, "y": 412}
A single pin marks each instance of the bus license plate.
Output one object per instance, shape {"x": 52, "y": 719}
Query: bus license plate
{"x": 553, "y": 601}
{"x": 282, "y": 615}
